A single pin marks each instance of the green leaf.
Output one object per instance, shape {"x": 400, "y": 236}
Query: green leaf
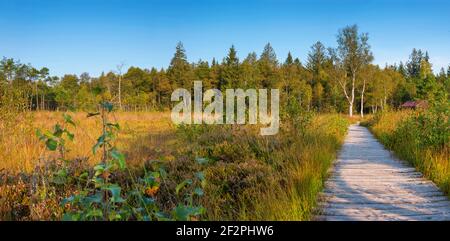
{"x": 84, "y": 175}
{"x": 195, "y": 211}
{"x": 70, "y": 136}
{"x": 114, "y": 216}
{"x": 40, "y": 135}
{"x": 119, "y": 157}
{"x": 100, "y": 143}
{"x": 99, "y": 169}
{"x": 51, "y": 144}
{"x": 181, "y": 213}
{"x": 96, "y": 198}
{"x": 49, "y": 135}
{"x": 58, "y": 131}
{"x": 182, "y": 185}
{"x": 98, "y": 182}
{"x": 68, "y": 119}
{"x": 115, "y": 193}
{"x": 94, "y": 213}
{"x": 162, "y": 216}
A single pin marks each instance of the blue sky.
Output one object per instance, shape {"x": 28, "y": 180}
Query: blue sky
{"x": 75, "y": 36}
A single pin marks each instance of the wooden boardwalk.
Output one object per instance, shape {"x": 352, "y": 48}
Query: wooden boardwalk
{"x": 368, "y": 183}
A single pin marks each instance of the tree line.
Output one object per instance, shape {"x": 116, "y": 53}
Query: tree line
{"x": 341, "y": 79}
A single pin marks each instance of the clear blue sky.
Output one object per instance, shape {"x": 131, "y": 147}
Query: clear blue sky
{"x": 75, "y": 36}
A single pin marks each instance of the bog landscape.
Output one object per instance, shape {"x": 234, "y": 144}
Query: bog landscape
{"x": 356, "y": 140}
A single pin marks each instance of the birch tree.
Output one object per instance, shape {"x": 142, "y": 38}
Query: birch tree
{"x": 119, "y": 73}
{"x": 352, "y": 54}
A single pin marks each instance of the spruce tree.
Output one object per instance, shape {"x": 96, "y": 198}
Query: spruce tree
{"x": 289, "y": 60}
{"x": 229, "y": 74}
{"x": 179, "y": 69}
{"x": 268, "y": 65}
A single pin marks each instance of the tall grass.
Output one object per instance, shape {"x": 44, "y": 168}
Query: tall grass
{"x": 249, "y": 176}
{"x": 420, "y": 137}
{"x": 267, "y": 178}
{"x": 309, "y": 159}
{"x": 21, "y": 151}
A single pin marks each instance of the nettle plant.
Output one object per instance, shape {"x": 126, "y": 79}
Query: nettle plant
{"x": 102, "y": 197}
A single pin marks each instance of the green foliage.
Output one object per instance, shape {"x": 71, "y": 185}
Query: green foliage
{"x": 297, "y": 116}
{"x": 56, "y": 139}
{"x": 100, "y": 195}
{"x": 427, "y": 129}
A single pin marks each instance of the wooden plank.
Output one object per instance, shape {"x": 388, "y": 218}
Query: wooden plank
{"x": 361, "y": 204}
{"x": 386, "y": 199}
{"x": 369, "y": 212}
{"x": 370, "y": 195}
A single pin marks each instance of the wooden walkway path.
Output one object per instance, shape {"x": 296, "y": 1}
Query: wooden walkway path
{"x": 368, "y": 183}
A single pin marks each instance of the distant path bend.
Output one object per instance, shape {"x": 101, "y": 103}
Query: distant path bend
{"x": 368, "y": 183}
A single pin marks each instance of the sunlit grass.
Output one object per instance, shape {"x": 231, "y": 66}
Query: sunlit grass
{"x": 21, "y": 150}
{"x": 250, "y": 177}
{"x": 433, "y": 162}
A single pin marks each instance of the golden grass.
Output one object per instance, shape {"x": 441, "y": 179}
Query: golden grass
{"x": 20, "y": 149}
{"x": 250, "y": 177}
{"x": 308, "y": 162}
{"x": 270, "y": 178}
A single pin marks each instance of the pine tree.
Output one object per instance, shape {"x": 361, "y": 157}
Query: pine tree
{"x": 179, "y": 69}
{"x": 316, "y": 59}
{"x": 268, "y": 56}
{"x": 401, "y": 69}
{"x": 413, "y": 65}
{"x": 297, "y": 62}
{"x": 289, "y": 60}
{"x": 229, "y": 74}
{"x": 315, "y": 64}
{"x": 232, "y": 59}
{"x": 268, "y": 65}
